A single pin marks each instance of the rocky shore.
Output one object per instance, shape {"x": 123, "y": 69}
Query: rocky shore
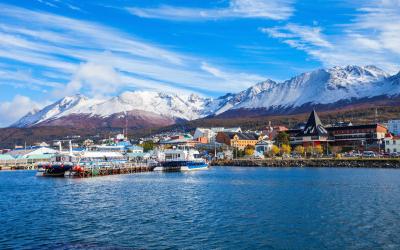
{"x": 345, "y": 163}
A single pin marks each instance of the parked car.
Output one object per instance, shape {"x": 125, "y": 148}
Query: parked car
{"x": 368, "y": 154}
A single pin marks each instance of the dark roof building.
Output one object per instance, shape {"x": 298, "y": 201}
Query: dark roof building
{"x": 354, "y": 136}
{"x": 314, "y": 126}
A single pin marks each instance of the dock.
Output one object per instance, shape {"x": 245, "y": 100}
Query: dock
{"x": 117, "y": 169}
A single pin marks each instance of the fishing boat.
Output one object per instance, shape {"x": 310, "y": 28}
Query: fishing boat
{"x": 57, "y": 167}
{"x": 181, "y": 160}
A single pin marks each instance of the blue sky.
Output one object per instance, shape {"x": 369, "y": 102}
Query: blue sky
{"x": 53, "y": 48}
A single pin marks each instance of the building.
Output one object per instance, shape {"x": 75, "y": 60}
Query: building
{"x": 394, "y": 127}
{"x": 359, "y": 137}
{"x": 238, "y": 140}
{"x": 263, "y": 146}
{"x": 392, "y": 144}
{"x": 313, "y": 133}
{"x": 207, "y": 135}
{"x": 271, "y": 132}
{"x": 32, "y": 152}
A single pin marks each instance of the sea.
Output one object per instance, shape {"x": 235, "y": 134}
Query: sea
{"x": 220, "y": 208}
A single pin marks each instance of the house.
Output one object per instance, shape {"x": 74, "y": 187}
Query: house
{"x": 270, "y": 132}
{"x": 207, "y": 135}
{"x": 238, "y": 140}
{"x": 263, "y": 146}
{"x": 392, "y": 144}
{"x": 225, "y": 155}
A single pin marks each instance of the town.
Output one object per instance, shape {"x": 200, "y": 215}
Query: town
{"x": 311, "y": 139}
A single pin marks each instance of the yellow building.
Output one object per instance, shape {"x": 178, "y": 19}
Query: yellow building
{"x": 238, "y": 140}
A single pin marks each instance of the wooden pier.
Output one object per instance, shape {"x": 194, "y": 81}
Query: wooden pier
{"x": 17, "y": 164}
{"x": 126, "y": 168}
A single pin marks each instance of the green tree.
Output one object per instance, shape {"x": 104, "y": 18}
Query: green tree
{"x": 282, "y": 138}
{"x": 147, "y": 146}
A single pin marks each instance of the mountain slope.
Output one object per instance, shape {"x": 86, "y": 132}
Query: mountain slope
{"x": 323, "y": 88}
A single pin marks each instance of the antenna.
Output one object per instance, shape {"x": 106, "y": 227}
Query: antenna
{"x": 126, "y": 125}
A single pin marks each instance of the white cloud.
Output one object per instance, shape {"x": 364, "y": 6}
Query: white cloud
{"x": 97, "y": 59}
{"x": 266, "y": 9}
{"x": 19, "y": 106}
{"x": 372, "y": 37}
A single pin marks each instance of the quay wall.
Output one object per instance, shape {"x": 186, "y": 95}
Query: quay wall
{"x": 318, "y": 162}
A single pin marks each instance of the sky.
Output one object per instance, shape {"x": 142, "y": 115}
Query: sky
{"x": 53, "y": 48}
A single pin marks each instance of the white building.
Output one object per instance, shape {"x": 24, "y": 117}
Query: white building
{"x": 392, "y": 144}
{"x": 263, "y": 146}
{"x": 394, "y": 127}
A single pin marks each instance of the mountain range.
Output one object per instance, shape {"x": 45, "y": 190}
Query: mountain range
{"x": 326, "y": 89}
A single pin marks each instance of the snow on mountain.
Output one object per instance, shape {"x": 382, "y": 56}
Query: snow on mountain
{"x": 68, "y": 105}
{"x": 166, "y": 105}
{"x": 322, "y": 86}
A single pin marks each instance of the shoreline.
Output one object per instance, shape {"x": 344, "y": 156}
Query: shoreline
{"x": 315, "y": 162}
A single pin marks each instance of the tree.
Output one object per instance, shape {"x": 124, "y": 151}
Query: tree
{"x": 285, "y": 149}
{"x": 282, "y": 138}
{"x": 249, "y": 150}
{"x": 299, "y": 150}
{"x": 319, "y": 150}
{"x": 274, "y": 150}
{"x": 147, "y": 146}
{"x": 309, "y": 150}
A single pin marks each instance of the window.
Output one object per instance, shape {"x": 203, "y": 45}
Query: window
{"x": 394, "y": 142}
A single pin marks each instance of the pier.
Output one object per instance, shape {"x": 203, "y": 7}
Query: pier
{"x": 17, "y": 164}
{"x": 117, "y": 169}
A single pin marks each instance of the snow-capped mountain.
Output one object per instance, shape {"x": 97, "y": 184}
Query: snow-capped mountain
{"x": 320, "y": 87}
{"x": 161, "y": 105}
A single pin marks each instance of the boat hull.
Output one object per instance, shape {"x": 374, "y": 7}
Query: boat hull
{"x": 176, "y": 166}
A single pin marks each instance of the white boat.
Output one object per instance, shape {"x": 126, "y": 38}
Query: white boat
{"x": 181, "y": 160}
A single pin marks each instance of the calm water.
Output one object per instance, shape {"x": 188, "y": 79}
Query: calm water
{"x": 224, "y": 208}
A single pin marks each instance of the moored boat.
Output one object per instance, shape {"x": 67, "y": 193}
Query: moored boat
{"x": 181, "y": 160}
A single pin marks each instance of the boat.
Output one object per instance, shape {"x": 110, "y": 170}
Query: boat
{"x": 57, "y": 167}
{"x": 181, "y": 160}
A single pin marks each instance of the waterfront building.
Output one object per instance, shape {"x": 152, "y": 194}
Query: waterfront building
{"x": 392, "y": 144}
{"x": 367, "y": 136}
{"x": 358, "y": 137}
{"x": 394, "y": 127}
{"x": 238, "y": 140}
{"x": 34, "y": 152}
{"x": 314, "y": 133}
{"x": 263, "y": 146}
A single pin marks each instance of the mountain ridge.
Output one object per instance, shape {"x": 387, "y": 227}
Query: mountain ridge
{"x": 323, "y": 87}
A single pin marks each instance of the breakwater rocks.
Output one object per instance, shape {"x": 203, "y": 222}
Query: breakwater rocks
{"x": 321, "y": 162}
